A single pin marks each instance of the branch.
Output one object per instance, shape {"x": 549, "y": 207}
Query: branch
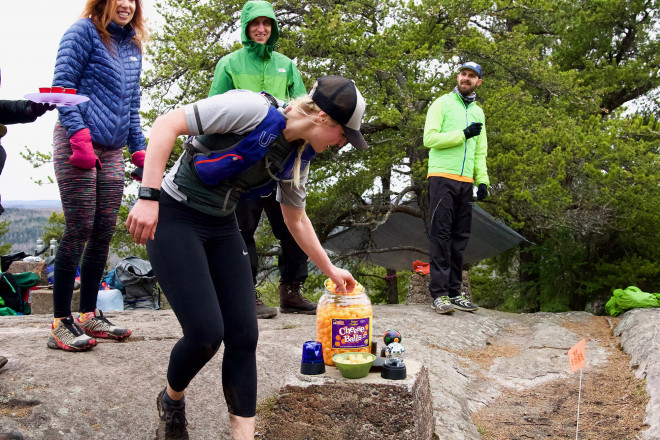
{"x": 383, "y": 250}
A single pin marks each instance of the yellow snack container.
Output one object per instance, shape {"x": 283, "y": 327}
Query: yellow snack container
{"x": 344, "y": 321}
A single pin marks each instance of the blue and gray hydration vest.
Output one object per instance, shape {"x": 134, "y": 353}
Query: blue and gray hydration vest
{"x": 218, "y": 169}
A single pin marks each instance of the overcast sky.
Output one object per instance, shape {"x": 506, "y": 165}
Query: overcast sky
{"x": 30, "y": 32}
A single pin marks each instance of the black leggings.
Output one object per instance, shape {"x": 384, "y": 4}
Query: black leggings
{"x": 202, "y": 266}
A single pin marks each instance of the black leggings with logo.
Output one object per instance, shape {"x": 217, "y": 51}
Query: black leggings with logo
{"x": 202, "y": 265}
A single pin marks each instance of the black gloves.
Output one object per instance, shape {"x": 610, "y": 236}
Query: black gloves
{"x": 473, "y": 130}
{"x": 22, "y": 111}
{"x": 17, "y": 112}
{"x": 482, "y": 191}
{"x": 39, "y": 108}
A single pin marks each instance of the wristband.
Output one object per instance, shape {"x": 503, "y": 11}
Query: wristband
{"x": 146, "y": 193}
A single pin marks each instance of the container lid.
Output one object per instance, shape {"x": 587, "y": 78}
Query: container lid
{"x": 331, "y": 286}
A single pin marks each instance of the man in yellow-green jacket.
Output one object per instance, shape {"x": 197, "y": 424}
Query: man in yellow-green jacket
{"x": 455, "y": 134}
{"x": 258, "y": 67}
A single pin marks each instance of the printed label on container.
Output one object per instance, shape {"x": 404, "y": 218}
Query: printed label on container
{"x": 351, "y": 333}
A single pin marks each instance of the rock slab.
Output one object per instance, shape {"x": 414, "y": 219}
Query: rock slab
{"x": 38, "y": 267}
{"x": 329, "y": 406}
{"x": 640, "y": 332}
{"x": 109, "y": 393}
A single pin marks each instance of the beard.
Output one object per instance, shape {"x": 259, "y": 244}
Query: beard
{"x": 466, "y": 89}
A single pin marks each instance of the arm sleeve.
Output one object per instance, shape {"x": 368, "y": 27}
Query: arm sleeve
{"x": 296, "y": 86}
{"x": 16, "y": 112}
{"x": 480, "y": 153}
{"x": 287, "y": 193}
{"x": 136, "y": 139}
{"x": 222, "y": 80}
{"x": 433, "y": 135}
{"x": 72, "y": 56}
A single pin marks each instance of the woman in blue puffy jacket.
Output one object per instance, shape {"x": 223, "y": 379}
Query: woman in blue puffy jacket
{"x": 100, "y": 56}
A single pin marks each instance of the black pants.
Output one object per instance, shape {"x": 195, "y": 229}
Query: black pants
{"x": 292, "y": 261}
{"x": 202, "y": 266}
{"x": 449, "y": 232}
{"x": 3, "y": 157}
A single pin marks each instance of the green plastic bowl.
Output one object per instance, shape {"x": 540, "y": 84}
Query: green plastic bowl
{"x": 353, "y": 371}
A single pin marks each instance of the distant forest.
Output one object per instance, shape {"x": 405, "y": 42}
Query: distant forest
{"x": 27, "y": 225}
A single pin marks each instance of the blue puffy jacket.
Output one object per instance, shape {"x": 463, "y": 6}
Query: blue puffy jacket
{"x": 110, "y": 81}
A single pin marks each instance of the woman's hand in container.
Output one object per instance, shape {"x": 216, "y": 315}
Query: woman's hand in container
{"x": 142, "y": 220}
{"x": 342, "y": 279}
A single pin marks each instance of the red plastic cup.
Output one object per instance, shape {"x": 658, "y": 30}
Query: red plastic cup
{"x": 57, "y": 89}
{"x": 70, "y": 91}
{"x": 44, "y": 89}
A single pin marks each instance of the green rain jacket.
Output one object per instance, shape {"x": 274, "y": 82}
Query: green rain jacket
{"x": 451, "y": 155}
{"x": 257, "y": 67}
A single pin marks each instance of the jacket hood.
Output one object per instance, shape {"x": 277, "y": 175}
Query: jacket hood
{"x": 251, "y": 10}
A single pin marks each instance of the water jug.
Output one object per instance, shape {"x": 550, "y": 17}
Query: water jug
{"x": 110, "y": 300}
{"x": 53, "y": 247}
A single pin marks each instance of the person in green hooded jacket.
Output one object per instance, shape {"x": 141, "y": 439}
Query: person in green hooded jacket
{"x": 455, "y": 134}
{"x": 258, "y": 67}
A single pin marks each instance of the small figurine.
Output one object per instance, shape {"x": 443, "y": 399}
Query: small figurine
{"x": 391, "y": 336}
{"x": 395, "y": 353}
{"x": 393, "y": 368}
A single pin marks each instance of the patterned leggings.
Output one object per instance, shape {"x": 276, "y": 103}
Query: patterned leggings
{"x": 90, "y": 201}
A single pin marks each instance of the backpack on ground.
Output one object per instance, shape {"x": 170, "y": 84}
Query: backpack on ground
{"x": 139, "y": 283}
{"x": 6, "y": 260}
{"x": 10, "y": 292}
{"x": 14, "y": 290}
{"x": 110, "y": 281}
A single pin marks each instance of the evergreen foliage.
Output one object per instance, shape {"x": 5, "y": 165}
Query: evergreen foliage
{"x": 574, "y": 168}
{"x": 4, "y": 228}
{"x": 22, "y": 227}
{"x": 54, "y": 228}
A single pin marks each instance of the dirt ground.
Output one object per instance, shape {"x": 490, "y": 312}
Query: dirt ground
{"x": 612, "y": 403}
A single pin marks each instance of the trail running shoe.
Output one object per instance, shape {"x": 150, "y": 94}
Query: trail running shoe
{"x": 98, "y": 326}
{"x": 172, "y": 424}
{"x": 442, "y": 305}
{"x": 461, "y": 303}
{"x": 65, "y": 334}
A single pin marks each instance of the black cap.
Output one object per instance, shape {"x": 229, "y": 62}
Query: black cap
{"x": 342, "y": 101}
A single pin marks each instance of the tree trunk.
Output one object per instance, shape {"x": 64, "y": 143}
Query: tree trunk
{"x": 529, "y": 278}
{"x": 392, "y": 288}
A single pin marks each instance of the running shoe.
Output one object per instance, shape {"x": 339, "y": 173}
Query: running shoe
{"x": 461, "y": 303}
{"x": 172, "y": 424}
{"x": 442, "y": 305}
{"x": 65, "y": 334}
{"x": 98, "y": 326}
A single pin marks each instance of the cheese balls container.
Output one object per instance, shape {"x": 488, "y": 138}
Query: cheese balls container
{"x": 344, "y": 321}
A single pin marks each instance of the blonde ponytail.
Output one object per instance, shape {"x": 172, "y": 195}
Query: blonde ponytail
{"x": 304, "y": 105}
